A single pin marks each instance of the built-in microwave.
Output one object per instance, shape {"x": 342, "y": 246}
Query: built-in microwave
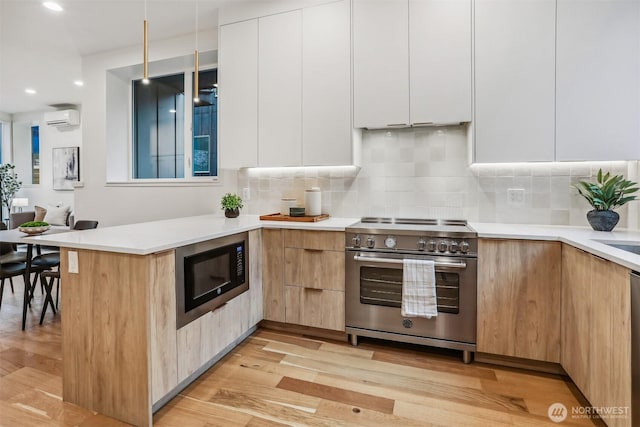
{"x": 208, "y": 274}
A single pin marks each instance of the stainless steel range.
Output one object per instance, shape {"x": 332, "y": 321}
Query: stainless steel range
{"x": 375, "y": 250}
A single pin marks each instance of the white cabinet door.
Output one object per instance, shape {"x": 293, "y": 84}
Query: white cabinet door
{"x": 440, "y": 61}
{"x": 514, "y": 80}
{"x": 238, "y": 95}
{"x": 326, "y": 86}
{"x": 380, "y": 63}
{"x": 280, "y": 90}
{"x": 598, "y": 80}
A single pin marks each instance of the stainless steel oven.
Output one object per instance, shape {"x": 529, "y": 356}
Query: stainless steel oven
{"x": 373, "y": 293}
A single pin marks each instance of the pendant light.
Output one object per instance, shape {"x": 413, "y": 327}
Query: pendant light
{"x": 145, "y": 60}
{"x": 196, "y": 60}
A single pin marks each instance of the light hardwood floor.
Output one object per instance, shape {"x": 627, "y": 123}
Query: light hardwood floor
{"x": 276, "y": 379}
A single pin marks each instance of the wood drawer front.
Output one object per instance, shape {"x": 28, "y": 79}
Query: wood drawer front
{"x": 322, "y": 240}
{"x": 315, "y": 307}
{"x": 314, "y": 269}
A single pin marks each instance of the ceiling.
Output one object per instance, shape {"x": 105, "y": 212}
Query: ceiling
{"x": 42, "y": 49}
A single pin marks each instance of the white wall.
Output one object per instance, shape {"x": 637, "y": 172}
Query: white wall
{"x": 114, "y": 204}
{"x": 51, "y": 137}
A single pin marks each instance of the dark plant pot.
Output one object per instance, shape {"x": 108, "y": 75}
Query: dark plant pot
{"x": 233, "y": 213}
{"x": 603, "y": 220}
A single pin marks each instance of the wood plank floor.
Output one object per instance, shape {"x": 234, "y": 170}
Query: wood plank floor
{"x": 277, "y": 379}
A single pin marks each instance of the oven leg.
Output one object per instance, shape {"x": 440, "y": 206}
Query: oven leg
{"x": 466, "y": 356}
{"x": 354, "y": 339}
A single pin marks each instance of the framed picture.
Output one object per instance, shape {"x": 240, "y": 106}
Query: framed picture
{"x": 66, "y": 167}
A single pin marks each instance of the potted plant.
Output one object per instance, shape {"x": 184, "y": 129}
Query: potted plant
{"x": 34, "y": 227}
{"x": 9, "y": 185}
{"x": 231, "y": 203}
{"x": 608, "y": 193}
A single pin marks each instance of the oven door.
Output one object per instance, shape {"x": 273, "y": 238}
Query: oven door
{"x": 373, "y": 293}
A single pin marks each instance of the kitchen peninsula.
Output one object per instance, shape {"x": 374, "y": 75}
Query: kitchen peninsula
{"x": 124, "y": 356}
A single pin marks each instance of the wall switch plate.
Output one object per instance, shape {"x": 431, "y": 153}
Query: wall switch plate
{"x": 515, "y": 196}
{"x": 246, "y": 194}
{"x": 73, "y": 262}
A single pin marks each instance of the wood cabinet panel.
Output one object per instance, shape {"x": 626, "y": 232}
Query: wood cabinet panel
{"x": 596, "y": 337}
{"x": 273, "y": 274}
{"x": 519, "y": 292}
{"x": 320, "y": 240}
{"x": 576, "y": 314}
{"x": 163, "y": 345}
{"x": 314, "y": 268}
{"x": 315, "y": 307}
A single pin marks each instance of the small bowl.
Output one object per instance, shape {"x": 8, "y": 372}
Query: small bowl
{"x": 296, "y": 211}
{"x": 34, "y": 230}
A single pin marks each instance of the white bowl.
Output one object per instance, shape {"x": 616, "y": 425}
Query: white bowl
{"x": 34, "y": 230}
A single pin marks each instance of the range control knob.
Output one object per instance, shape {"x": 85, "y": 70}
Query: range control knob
{"x": 422, "y": 244}
{"x": 454, "y": 247}
{"x": 464, "y": 247}
{"x": 431, "y": 246}
{"x": 356, "y": 241}
{"x": 371, "y": 242}
{"x": 442, "y": 246}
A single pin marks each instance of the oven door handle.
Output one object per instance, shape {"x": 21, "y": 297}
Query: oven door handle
{"x": 460, "y": 265}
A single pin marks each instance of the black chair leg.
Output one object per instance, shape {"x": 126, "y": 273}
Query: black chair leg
{"x": 48, "y": 286}
{"x": 57, "y": 291}
{"x": 11, "y": 283}
{"x": 27, "y": 285}
{"x": 1, "y": 291}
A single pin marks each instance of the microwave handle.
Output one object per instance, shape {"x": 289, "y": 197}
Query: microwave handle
{"x": 460, "y": 265}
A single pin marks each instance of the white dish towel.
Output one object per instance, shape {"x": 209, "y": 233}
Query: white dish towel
{"x": 419, "y": 288}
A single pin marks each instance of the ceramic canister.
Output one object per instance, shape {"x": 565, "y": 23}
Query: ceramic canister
{"x": 286, "y": 203}
{"x": 313, "y": 201}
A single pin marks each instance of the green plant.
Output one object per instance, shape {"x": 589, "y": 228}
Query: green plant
{"x": 29, "y": 224}
{"x": 231, "y": 201}
{"x": 608, "y": 193}
{"x": 9, "y": 184}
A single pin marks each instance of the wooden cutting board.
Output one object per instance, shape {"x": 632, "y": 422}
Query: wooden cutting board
{"x": 280, "y": 217}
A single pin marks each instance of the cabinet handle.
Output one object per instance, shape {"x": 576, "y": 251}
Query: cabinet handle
{"x": 313, "y": 250}
{"x": 396, "y": 125}
{"x": 422, "y": 124}
{"x": 218, "y": 307}
{"x": 312, "y": 289}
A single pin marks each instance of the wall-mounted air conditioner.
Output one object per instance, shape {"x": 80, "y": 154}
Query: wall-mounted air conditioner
{"x": 62, "y": 118}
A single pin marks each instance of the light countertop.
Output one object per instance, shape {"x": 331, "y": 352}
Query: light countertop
{"x": 580, "y": 237}
{"x": 156, "y": 236}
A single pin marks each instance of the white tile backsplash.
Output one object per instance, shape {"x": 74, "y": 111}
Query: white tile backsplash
{"x": 425, "y": 173}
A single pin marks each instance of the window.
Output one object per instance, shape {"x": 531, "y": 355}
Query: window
{"x": 35, "y": 154}
{"x": 159, "y": 117}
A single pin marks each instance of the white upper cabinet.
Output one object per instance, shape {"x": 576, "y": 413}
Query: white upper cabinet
{"x": 514, "y": 80}
{"x": 440, "y": 61}
{"x": 238, "y": 95}
{"x": 326, "y": 86}
{"x": 598, "y": 80}
{"x": 380, "y": 63}
{"x": 411, "y": 62}
{"x": 280, "y": 89}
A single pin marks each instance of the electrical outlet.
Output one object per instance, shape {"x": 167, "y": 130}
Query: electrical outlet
{"x": 246, "y": 194}
{"x": 515, "y": 196}
{"x": 73, "y": 262}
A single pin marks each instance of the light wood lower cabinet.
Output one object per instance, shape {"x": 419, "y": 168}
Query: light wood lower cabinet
{"x": 303, "y": 277}
{"x": 596, "y": 331}
{"x": 519, "y": 299}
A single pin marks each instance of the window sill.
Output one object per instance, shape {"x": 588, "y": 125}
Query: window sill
{"x": 194, "y": 182}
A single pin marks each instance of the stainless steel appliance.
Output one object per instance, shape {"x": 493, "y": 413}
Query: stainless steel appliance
{"x": 208, "y": 274}
{"x": 375, "y": 250}
{"x": 635, "y": 349}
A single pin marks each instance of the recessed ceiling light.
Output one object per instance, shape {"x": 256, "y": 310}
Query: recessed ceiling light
{"x": 30, "y": 91}
{"x": 78, "y": 83}
{"x": 52, "y": 6}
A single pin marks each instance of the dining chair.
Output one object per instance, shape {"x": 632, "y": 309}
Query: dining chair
{"x": 49, "y": 275}
{"x": 9, "y": 255}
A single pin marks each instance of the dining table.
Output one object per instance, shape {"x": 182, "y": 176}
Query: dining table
{"x": 16, "y": 236}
